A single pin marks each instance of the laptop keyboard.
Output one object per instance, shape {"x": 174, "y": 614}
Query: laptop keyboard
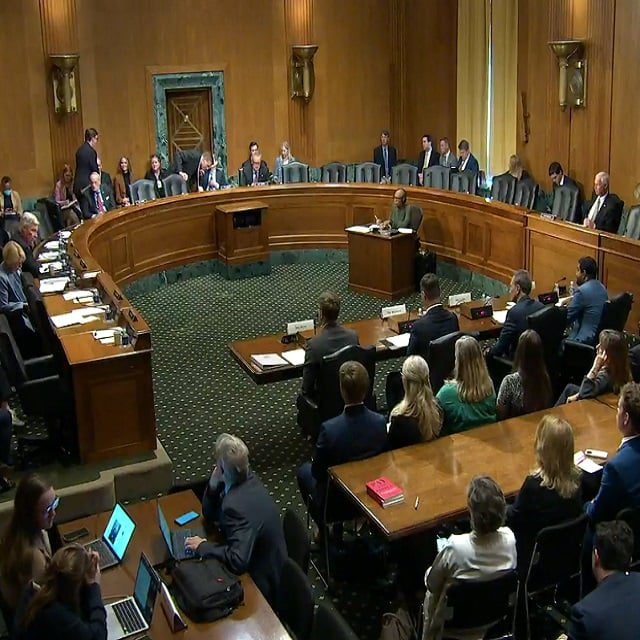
{"x": 106, "y": 555}
{"x": 128, "y": 616}
{"x": 178, "y": 542}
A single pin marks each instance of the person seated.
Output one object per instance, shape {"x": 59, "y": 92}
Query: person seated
{"x": 560, "y": 179}
{"x": 246, "y": 169}
{"x": 67, "y": 601}
{"x": 610, "y": 370}
{"x": 96, "y": 199}
{"x": 516, "y": 169}
{"x": 469, "y": 399}
{"x": 528, "y": 388}
{"x": 239, "y": 505}
{"x": 487, "y": 551}
{"x": 447, "y": 157}
{"x": 610, "y": 611}
{"x": 12, "y": 202}
{"x": 258, "y": 171}
{"x": 65, "y": 199}
{"x": 385, "y": 156}
{"x": 26, "y": 543}
{"x": 400, "y": 217}
{"x": 428, "y": 157}
{"x": 212, "y": 177}
{"x": 106, "y": 182}
{"x": 124, "y": 178}
{"x": 552, "y": 493}
{"x": 467, "y": 161}
{"x": 586, "y": 303}
{"x": 604, "y": 211}
{"x": 191, "y": 164}
{"x": 27, "y": 238}
{"x": 157, "y": 174}
{"x": 418, "y": 417}
{"x": 283, "y": 159}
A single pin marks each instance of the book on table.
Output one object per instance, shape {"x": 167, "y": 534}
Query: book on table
{"x": 385, "y": 492}
{"x": 269, "y": 360}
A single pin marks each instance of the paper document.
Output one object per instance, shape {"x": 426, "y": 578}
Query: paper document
{"x": 57, "y": 265}
{"x": 405, "y": 230}
{"x": 510, "y": 304}
{"x": 358, "y": 228}
{"x": 87, "y": 311}
{"x": 65, "y": 234}
{"x": 561, "y": 300}
{"x": 110, "y": 340}
{"x": 266, "y": 360}
{"x": 500, "y": 316}
{"x": 52, "y": 245}
{"x": 100, "y": 334}
{"x": 295, "y": 357}
{"x": 399, "y": 341}
{"x": 586, "y": 464}
{"x": 65, "y": 320}
{"x": 48, "y": 256}
{"x": 78, "y": 295}
{"x": 53, "y": 285}
{"x": 90, "y": 274}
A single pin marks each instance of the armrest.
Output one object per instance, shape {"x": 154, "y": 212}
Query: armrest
{"x": 41, "y": 367}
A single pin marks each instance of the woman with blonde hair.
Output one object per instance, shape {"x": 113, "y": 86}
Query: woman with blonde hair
{"x": 516, "y": 169}
{"x": 283, "y": 158}
{"x": 469, "y": 399}
{"x": 417, "y": 418}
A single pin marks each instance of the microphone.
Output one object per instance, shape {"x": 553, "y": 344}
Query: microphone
{"x": 563, "y": 279}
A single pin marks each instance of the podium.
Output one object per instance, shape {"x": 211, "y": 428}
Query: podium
{"x": 243, "y": 240}
{"x": 382, "y": 265}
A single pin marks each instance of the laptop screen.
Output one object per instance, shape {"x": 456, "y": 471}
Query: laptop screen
{"x": 164, "y": 529}
{"x": 119, "y": 531}
{"x": 146, "y": 588}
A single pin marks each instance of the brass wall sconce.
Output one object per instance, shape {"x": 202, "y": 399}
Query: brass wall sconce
{"x": 64, "y": 82}
{"x": 303, "y": 77}
{"x": 573, "y": 72}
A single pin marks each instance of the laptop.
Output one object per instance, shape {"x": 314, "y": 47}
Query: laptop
{"x": 133, "y": 614}
{"x": 175, "y": 539}
{"x": 115, "y": 538}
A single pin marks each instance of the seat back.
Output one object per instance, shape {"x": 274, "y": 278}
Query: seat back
{"x": 40, "y": 318}
{"x": 142, "y": 190}
{"x": 503, "y": 188}
{"x": 616, "y": 312}
{"x": 632, "y": 230}
{"x": 565, "y": 202}
{"x": 295, "y": 172}
{"x": 10, "y": 355}
{"x": 464, "y": 182}
{"x": 295, "y": 600}
{"x": 174, "y": 185}
{"x": 415, "y": 214}
{"x": 577, "y": 359}
{"x": 296, "y": 538}
{"x": 50, "y": 216}
{"x": 328, "y": 624}
{"x": 367, "y": 172}
{"x": 334, "y": 172}
{"x": 437, "y": 177}
{"x": 550, "y": 323}
{"x": 526, "y": 194}
{"x": 631, "y": 515}
{"x": 405, "y": 173}
{"x": 441, "y": 359}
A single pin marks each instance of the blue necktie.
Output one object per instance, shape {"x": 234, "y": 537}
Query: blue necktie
{"x": 386, "y": 161}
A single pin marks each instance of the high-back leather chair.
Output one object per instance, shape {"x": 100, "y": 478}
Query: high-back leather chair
{"x": 526, "y": 193}
{"x": 367, "y": 172}
{"x": 142, "y": 190}
{"x": 503, "y": 188}
{"x": 442, "y": 358}
{"x": 50, "y": 216}
{"x": 550, "y": 323}
{"x": 565, "y": 203}
{"x": 405, "y": 173}
{"x": 415, "y": 217}
{"x": 334, "y": 172}
{"x": 632, "y": 230}
{"x": 436, "y": 177}
{"x": 464, "y": 182}
{"x": 616, "y": 312}
{"x": 295, "y": 172}
{"x": 174, "y": 185}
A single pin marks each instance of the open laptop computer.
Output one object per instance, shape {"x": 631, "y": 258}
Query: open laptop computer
{"x": 115, "y": 538}
{"x": 133, "y": 614}
{"x": 175, "y": 539}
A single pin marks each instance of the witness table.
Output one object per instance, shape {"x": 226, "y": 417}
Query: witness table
{"x": 253, "y": 619}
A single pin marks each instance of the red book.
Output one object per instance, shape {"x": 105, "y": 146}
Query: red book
{"x": 383, "y": 491}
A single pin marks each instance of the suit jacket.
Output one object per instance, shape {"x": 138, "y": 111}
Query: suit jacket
{"x": 585, "y": 311}
{"x": 610, "y": 611}
{"x": 12, "y": 296}
{"x": 220, "y": 179}
{"x": 107, "y": 186}
{"x": 88, "y": 203}
{"x": 449, "y": 160}
{"x": 16, "y": 201}
{"x": 437, "y": 322}
{"x": 86, "y": 164}
{"x": 30, "y": 264}
{"x": 253, "y": 539}
{"x": 576, "y": 214}
{"x": 514, "y": 325}
{"x": 434, "y": 160}
{"x": 328, "y": 341}
{"x": 188, "y": 162}
{"x": 378, "y": 158}
{"x": 609, "y": 215}
{"x": 264, "y": 175}
{"x": 472, "y": 164}
{"x": 159, "y": 191}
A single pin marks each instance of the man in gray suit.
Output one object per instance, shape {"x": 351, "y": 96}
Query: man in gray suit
{"x": 447, "y": 157}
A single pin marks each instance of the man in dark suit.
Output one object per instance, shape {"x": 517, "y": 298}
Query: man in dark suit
{"x": 191, "y": 164}
{"x": 245, "y": 168}
{"x": 610, "y": 611}
{"x": 385, "y": 156}
{"x": 212, "y": 177}
{"x": 86, "y": 162}
{"x": 604, "y": 210}
{"x": 95, "y": 199}
{"x": 467, "y": 161}
{"x": 257, "y": 171}
{"x": 27, "y": 238}
{"x": 447, "y": 157}
{"x": 106, "y": 182}
{"x": 239, "y": 505}
{"x": 559, "y": 179}
{"x": 428, "y": 157}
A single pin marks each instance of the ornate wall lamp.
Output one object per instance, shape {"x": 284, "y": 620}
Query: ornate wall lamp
{"x": 573, "y": 72}
{"x": 64, "y": 82}
{"x": 303, "y": 77}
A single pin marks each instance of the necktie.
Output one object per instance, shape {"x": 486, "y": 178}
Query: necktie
{"x": 427, "y": 155}
{"x": 386, "y": 161}
{"x": 99, "y": 203}
{"x": 595, "y": 207}
{"x": 255, "y": 176}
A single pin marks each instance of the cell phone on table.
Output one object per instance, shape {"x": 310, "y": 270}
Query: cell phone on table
{"x": 187, "y": 517}
{"x": 72, "y": 536}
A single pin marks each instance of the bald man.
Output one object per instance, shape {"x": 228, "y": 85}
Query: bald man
{"x": 400, "y": 212}
{"x": 604, "y": 211}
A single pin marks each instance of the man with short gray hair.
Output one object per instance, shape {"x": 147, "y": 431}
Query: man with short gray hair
{"x": 604, "y": 211}
{"x": 27, "y": 238}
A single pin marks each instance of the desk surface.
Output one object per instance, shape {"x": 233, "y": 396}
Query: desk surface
{"x": 438, "y": 472}
{"x": 253, "y": 619}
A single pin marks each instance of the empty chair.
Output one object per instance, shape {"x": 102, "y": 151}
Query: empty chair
{"x": 49, "y": 215}
{"x": 616, "y": 312}
{"x": 577, "y": 358}
{"x": 174, "y": 185}
{"x": 441, "y": 359}
{"x": 295, "y": 172}
{"x": 464, "y": 182}
{"x": 550, "y": 323}
{"x": 406, "y": 174}
{"x": 503, "y": 188}
{"x": 565, "y": 203}
{"x": 367, "y": 172}
{"x": 526, "y": 193}
{"x": 296, "y": 538}
{"x": 334, "y": 172}
{"x": 437, "y": 177}
{"x": 295, "y": 601}
{"x": 328, "y": 624}
{"x": 632, "y": 230}
{"x": 142, "y": 190}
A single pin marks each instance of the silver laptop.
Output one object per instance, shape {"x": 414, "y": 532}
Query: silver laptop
{"x": 115, "y": 538}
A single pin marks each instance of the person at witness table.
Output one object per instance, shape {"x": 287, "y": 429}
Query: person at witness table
{"x": 106, "y": 182}
{"x": 123, "y": 182}
{"x": 63, "y": 195}
{"x": 385, "y": 156}
{"x": 27, "y": 238}
{"x": 213, "y": 177}
{"x": 245, "y": 168}
{"x": 260, "y": 173}
{"x": 191, "y": 164}
{"x": 11, "y": 200}
{"x": 238, "y": 503}
{"x": 469, "y": 399}
{"x": 586, "y": 304}
{"x": 283, "y": 159}
{"x": 604, "y": 211}
{"x": 610, "y": 370}
{"x": 611, "y": 610}
{"x": 467, "y": 161}
{"x": 86, "y": 162}
{"x": 400, "y": 217}
{"x": 560, "y": 179}
{"x": 447, "y": 157}
{"x": 67, "y": 601}
{"x": 487, "y": 551}
{"x": 552, "y": 493}
{"x": 157, "y": 174}
{"x": 428, "y": 157}
{"x": 528, "y": 388}
{"x": 95, "y": 199}
{"x": 418, "y": 417}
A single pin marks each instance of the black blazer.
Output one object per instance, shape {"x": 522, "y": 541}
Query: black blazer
{"x": 159, "y": 191}
{"x": 378, "y": 158}
{"x": 472, "y": 164}
{"x": 220, "y": 179}
{"x": 253, "y": 539}
{"x": 86, "y": 164}
{"x": 403, "y": 432}
{"x": 610, "y": 214}
{"x": 88, "y": 203}
{"x": 437, "y": 322}
{"x": 264, "y": 175}
{"x": 434, "y": 160}
{"x": 188, "y": 162}
{"x": 30, "y": 264}
{"x": 514, "y": 325}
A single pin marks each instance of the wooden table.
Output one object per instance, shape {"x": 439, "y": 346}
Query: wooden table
{"x": 610, "y": 399}
{"x": 439, "y": 472}
{"x": 253, "y": 619}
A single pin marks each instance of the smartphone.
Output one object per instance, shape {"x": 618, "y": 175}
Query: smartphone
{"x": 72, "y": 536}
{"x": 187, "y": 517}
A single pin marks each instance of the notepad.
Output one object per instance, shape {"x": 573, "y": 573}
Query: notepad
{"x": 48, "y": 256}
{"x": 399, "y": 341}
{"x": 65, "y": 234}
{"x": 52, "y": 245}
{"x": 87, "y": 275}
{"x": 269, "y": 360}
{"x": 294, "y": 357}
{"x": 358, "y": 228}
{"x": 53, "y": 285}
{"x": 78, "y": 295}
{"x": 500, "y": 316}
{"x": 101, "y": 334}
{"x": 586, "y": 464}
{"x": 404, "y": 230}
{"x": 57, "y": 265}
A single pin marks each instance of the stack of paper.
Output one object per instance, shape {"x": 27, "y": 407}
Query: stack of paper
{"x": 294, "y": 357}
{"x": 65, "y": 234}
{"x": 57, "y": 266}
{"x": 398, "y": 342}
{"x": 47, "y": 256}
{"x": 268, "y": 360}
{"x": 586, "y": 464}
{"x": 83, "y": 312}
{"x": 69, "y": 319}
{"x": 358, "y": 229}
{"x": 52, "y": 245}
{"x": 79, "y": 295}
{"x": 53, "y": 285}
{"x": 87, "y": 275}
{"x": 500, "y": 316}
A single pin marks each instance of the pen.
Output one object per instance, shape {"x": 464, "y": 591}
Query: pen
{"x": 417, "y": 504}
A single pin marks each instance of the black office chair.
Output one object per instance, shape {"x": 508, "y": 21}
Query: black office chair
{"x": 616, "y": 312}
{"x": 142, "y": 190}
{"x": 577, "y": 358}
{"x": 328, "y": 624}
{"x": 405, "y": 173}
{"x": 441, "y": 359}
{"x": 631, "y": 515}
{"x": 174, "y": 185}
{"x": 526, "y": 193}
{"x": 50, "y": 216}
{"x": 415, "y": 217}
{"x": 39, "y": 316}
{"x": 632, "y": 228}
{"x": 503, "y": 188}
{"x": 565, "y": 203}
{"x": 296, "y": 537}
{"x": 334, "y": 172}
{"x": 367, "y": 172}
{"x": 436, "y": 177}
{"x": 550, "y": 323}
{"x": 295, "y": 601}
{"x": 464, "y": 182}
{"x": 295, "y": 172}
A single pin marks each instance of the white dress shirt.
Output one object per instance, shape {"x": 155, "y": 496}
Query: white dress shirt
{"x": 596, "y": 206}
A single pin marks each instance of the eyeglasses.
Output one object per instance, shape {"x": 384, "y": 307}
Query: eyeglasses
{"x": 53, "y": 506}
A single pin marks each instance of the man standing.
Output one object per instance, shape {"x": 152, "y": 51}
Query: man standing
{"x": 86, "y": 162}
{"x": 604, "y": 211}
{"x": 560, "y": 179}
{"x": 191, "y": 164}
{"x": 95, "y": 200}
{"x": 428, "y": 157}
{"x": 385, "y": 156}
{"x": 447, "y": 158}
{"x": 212, "y": 177}
{"x": 467, "y": 161}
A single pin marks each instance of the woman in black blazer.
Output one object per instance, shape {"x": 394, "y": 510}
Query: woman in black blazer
{"x": 157, "y": 174}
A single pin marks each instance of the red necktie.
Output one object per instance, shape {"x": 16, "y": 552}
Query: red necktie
{"x": 101, "y": 208}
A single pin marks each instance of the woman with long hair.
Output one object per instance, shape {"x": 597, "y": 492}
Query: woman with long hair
{"x": 157, "y": 174}
{"x": 469, "y": 399}
{"x": 528, "y": 388}
{"x": 282, "y": 159}
{"x": 124, "y": 178}
{"x": 417, "y": 418}
{"x": 65, "y": 199}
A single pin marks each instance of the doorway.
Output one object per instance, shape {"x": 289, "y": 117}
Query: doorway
{"x": 189, "y": 123}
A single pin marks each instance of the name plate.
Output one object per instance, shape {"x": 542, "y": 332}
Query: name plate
{"x": 395, "y": 310}
{"x": 459, "y": 298}
{"x": 301, "y": 325}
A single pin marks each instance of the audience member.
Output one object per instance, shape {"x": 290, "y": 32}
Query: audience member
{"x": 586, "y": 302}
{"x": 516, "y": 169}
{"x": 106, "y": 182}
{"x": 12, "y": 202}
{"x": 191, "y": 164}
{"x": 609, "y": 372}
{"x": 528, "y": 388}
{"x": 417, "y": 418}
{"x": 67, "y": 601}
{"x": 212, "y": 178}
{"x": 283, "y": 159}
{"x": 468, "y": 400}
{"x": 467, "y": 161}
{"x": 258, "y": 171}
{"x": 157, "y": 174}
{"x": 609, "y": 611}
{"x": 86, "y": 162}
{"x": 560, "y": 179}
{"x": 552, "y": 493}
{"x": 634, "y": 361}
{"x": 488, "y": 550}
{"x": 238, "y": 503}
{"x": 604, "y": 210}
{"x": 95, "y": 199}
{"x": 428, "y": 157}
{"x": 447, "y": 157}
{"x": 246, "y": 170}
{"x": 386, "y": 156}
{"x": 27, "y": 238}
{"x": 124, "y": 178}
{"x": 65, "y": 199}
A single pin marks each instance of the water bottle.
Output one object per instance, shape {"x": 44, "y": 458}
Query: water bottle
{"x": 572, "y": 288}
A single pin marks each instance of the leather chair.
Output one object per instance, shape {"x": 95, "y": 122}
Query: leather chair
{"x": 174, "y": 185}
{"x": 577, "y": 358}
{"x": 464, "y": 182}
{"x": 441, "y": 359}
{"x": 334, "y": 172}
{"x": 616, "y": 312}
{"x": 296, "y": 538}
{"x": 436, "y": 177}
{"x": 632, "y": 230}
{"x": 416, "y": 215}
{"x": 367, "y": 172}
{"x": 406, "y": 174}
{"x": 295, "y": 172}
{"x": 526, "y": 194}
{"x": 565, "y": 203}
{"x": 631, "y": 516}
{"x": 142, "y": 190}
{"x": 503, "y": 188}
{"x": 329, "y": 624}
{"x": 50, "y": 216}
{"x": 294, "y": 601}
{"x": 550, "y": 324}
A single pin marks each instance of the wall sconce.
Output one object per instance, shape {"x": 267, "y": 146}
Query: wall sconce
{"x": 64, "y": 82}
{"x": 303, "y": 77}
{"x": 573, "y": 72}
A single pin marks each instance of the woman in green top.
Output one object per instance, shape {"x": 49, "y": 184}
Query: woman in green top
{"x": 468, "y": 400}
